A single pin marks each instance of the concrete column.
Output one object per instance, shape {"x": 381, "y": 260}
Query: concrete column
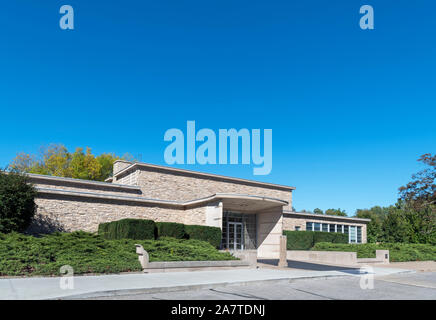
{"x": 214, "y": 215}
{"x": 283, "y": 259}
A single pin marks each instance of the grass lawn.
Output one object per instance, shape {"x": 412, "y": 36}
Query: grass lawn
{"x": 90, "y": 253}
{"x": 398, "y": 252}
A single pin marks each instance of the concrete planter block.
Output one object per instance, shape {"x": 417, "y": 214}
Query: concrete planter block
{"x": 382, "y": 256}
{"x": 143, "y": 256}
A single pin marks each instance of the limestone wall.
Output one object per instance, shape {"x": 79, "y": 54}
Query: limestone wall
{"x": 182, "y": 187}
{"x": 70, "y": 213}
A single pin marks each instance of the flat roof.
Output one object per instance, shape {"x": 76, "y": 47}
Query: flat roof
{"x": 200, "y": 201}
{"x": 201, "y": 174}
{"x": 43, "y": 177}
{"x": 324, "y": 216}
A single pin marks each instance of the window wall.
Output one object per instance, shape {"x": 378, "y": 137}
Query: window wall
{"x": 354, "y": 232}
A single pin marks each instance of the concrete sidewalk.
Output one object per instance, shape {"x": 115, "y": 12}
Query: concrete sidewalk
{"x": 109, "y": 285}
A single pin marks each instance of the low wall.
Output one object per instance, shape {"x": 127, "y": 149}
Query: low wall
{"x": 248, "y": 256}
{"x": 177, "y": 266}
{"x": 246, "y": 261}
{"x": 337, "y": 257}
{"x": 329, "y": 257}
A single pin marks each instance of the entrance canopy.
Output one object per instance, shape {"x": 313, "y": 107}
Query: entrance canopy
{"x": 242, "y": 202}
{"x": 249, "y": 203}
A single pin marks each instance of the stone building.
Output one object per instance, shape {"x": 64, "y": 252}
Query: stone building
{"x": 251, "y": 214}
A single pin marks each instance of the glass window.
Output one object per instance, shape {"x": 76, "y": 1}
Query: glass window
{"x": 339, "y": 228}
{"x": 325, "y": 227}
{"x": 345, "y": 229}
{"x": 297, "y": 228}
{"x": 353, "y": 235}
{"x": 359, "y": 234}
{"x": 317, "y": 226}
{"x": 332, "y": 227}
{"x": 309, "y": 226}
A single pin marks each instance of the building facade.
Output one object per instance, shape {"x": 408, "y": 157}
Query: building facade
{"x": 251, "y": 214}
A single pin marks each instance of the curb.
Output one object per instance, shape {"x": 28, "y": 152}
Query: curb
{"x": 122, "y": 292}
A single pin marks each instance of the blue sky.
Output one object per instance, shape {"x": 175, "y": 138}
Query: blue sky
{"x": 351, "y": 110}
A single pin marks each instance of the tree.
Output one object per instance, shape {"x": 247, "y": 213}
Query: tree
{"x": 395, "y": 227}
{"x": 377, "y": 215}
{"x": 421, "y": 191}
{"x": 84, "y": 166}
{"x": 318, "y": 211}
{"x": 56, "y": 160}
{"x": 336, "y": 212}
{"x": 17, "y": 205}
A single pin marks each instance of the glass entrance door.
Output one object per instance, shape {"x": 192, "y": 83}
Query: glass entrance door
{"x": 235, "y": 237}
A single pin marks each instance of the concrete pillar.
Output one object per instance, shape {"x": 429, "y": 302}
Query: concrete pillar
{"x": 283, "y": 260}
{"x": 382, "y": 255}
{"x": 214, "y": 215}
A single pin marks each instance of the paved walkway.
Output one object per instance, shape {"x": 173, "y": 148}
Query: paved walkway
{"x": 107, "y": 285}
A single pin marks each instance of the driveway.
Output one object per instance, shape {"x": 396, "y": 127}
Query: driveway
{"x": 409, "y": 286}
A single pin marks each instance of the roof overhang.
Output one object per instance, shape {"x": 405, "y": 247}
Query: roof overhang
{"x": 242, "y": 202}
{"x": 323, "y": 216}
{"x": 199, "y": 174}
{"x": 237, "y": 202}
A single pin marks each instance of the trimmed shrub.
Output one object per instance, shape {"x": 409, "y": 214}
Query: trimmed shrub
{"x": 89, "y": 253}
{"x": 205, "y": 233}
{"x": 398, "y": 252}
{"x": 332, "y": 237}
{"x": 17, "y": 205}
{"x": 299, "y": 240}
{"x": 305, "y": 240}
{"x": 103, "y": 229}
{"x": 340, "y": 238}
{"x": 170, "y": 229}
{"x": 139, "y": 229}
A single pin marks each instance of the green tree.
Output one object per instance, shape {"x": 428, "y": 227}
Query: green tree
{"x": 336, "y": 212}
{"x": 17, "y": 205}
{"x": 396, "y": 228}
{"x": 377, "y": 215}
{"x": 56, "y": 160}
{"x": 106, "y": 161}
{"x": 421, "y": 191}
{"x": 318, "y": 211}
{"x": 84, "y": 166}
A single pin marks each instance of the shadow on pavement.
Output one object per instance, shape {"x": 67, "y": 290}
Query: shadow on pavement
{"x": 311, "y": 266}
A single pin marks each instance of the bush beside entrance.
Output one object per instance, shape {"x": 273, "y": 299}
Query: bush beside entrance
{"x": 148, "y": 229}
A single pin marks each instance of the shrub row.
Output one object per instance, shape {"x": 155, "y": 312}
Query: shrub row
{"x": 141, "y": 229}
{"x": 398, "y": 252}
{"x": 128, "y": 229}
{"x": 90, "y": 253}
{"x": 305, "y": 240}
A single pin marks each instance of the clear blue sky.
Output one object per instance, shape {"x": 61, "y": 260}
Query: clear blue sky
{"x": 351, "y": 110}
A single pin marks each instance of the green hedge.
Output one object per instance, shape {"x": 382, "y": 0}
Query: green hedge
{"x": 305, "y": 240}
{"x": 205, "y": 233}
{"x": 398, "y": 252}
{"x": 90, "y": 253}
{"x": 170, "y": 229}
{"x": 148, "y": 229}
{"x": 332, "y": 237}
{"x": 128, "y": 229}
